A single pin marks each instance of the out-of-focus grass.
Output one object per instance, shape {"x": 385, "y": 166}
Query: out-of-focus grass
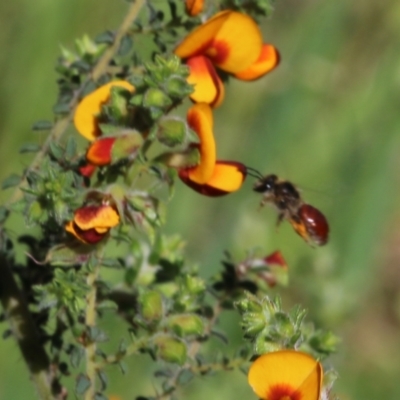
{"x": 327, "y": 119}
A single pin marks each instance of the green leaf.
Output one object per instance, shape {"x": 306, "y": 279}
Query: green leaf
{"x": 82, "y": 384}
{"x": 61, "y": 108}
{"x": 76, "y": 354}
{"x": 103, "y": 382}
{"x": 29, "y": 148}
{"x": 62, "y": 255}
{"x": 42, "y": 125}
{"x": 11, "y": 181}
{"x": 125, "y": 46}
{"x": 105, "y": 37}
{"x": 4, "y": 212}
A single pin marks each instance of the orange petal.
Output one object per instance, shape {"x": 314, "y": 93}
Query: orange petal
{"x": 208, "y": 87}
{"x": 230, "y": 39}
{"x": 194, "y": 7}
{"x": 94, "y": 217}
{"x": 99, "y": 152}
{"x": 85, "y": 118}
{"x": 268, "y": 60}
{"x": 289, "y": 373}
{"x": 227, "y": 177}
{"x": 90, "y": 236}
{"x": 200, "y": 119}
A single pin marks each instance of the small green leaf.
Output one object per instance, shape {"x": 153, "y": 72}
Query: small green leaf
{"x": 11, "y": 181}
{"x": 125, "y": 46}
{"x": 4, "y": 213}
{"x": 42, "y": 125}
{"x": 105, "y": 37}
{"x": 82, "y": 384}
{"x": 62, "y": 255}
{"x": 29, "y": 148}
{"x": 103, "y": 380}
{"x": 76, "y": 354}
{"x": 61, "y": 108}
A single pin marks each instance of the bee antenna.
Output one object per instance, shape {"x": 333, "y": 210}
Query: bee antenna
{"x": 254, "y": 173}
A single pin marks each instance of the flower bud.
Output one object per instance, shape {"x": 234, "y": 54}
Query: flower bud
{"x": 171, "y": 349}
{"x": 186, "y": 324}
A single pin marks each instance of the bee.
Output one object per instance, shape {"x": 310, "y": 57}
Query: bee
{"x": 307, "y": 221}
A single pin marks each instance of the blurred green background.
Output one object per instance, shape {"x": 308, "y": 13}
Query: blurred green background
{"x": 327, "y": 119}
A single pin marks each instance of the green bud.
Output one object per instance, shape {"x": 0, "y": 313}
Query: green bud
{"x": 186, "y": 324}
{"x": 283, "y": 324}
{"x": 171, "y": 349}
{"x": 117, "y": 106}
{"x": 186, "y": 159}
{"x": 151, "y": 305}
{"x": 177, "y": 87}
{"x": 249, "y": 304}
{"x": 253, "y": 323}
{"x": 194, "y": 285}
{"x": 171, "y": 131}
{"x": 126, "y": 146}
{"x": 156, "y": 98}
{"x": 35, "y": 211}
{"x": 262, "y": 346}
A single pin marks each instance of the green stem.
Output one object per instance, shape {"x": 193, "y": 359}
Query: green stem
{"x": 99, "y": 69}
{"x": 90, "y": 321}
{"x": 25, "y": 332}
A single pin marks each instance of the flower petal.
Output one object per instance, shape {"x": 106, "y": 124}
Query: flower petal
{"x": 227, "y": 177}
{"x": 230, "y": 39}
{"x": 266, "y": 62}
{"x": 208, "y": 87}
{"x": 90, "y": 236}
{"x": 194, "y": 7}
{"x": 89, "y": 217}
{"x": 200, "y": 119}
{"x": 99, "y": 152}
{"x": 286, "y": 373}
{"x": 85, "y": 118}
{"x": 200, "y": 38}
{"x": 87, "y": 170}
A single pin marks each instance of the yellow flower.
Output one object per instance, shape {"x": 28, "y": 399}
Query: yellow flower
{"x": 286, "y": 375}
{"x": 211, "y": 177}
{"x": 87, "y": 111}
{"x": 229, "y": 41}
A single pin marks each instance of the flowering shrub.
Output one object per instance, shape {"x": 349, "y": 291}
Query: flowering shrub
{"x": 101, "y": 205}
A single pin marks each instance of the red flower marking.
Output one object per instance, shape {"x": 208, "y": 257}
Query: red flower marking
{"x": 283, "y": 392}
{"x": 218, "y": 51}
{"x": 89, "y": 236}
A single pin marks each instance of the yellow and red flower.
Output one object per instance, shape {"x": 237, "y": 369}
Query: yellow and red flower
{"x": 210, "y": 177}
{"x": 86, "y": 120}
{"x": 92, "y": 223}
{"x": 286, "y": 375}
{"x": 230, "y": 41}
{"x": 88, "y": 110}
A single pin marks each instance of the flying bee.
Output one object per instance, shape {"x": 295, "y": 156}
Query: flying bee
{"x": 306, "y": 220}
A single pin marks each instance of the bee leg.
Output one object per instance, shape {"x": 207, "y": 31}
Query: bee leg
{"x": 281, "y": 217}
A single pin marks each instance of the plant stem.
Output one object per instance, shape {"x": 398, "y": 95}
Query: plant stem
{"x": 90, "y": 321}
{"x": 99, "y": 69}
{"x": 25, "y": 332}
